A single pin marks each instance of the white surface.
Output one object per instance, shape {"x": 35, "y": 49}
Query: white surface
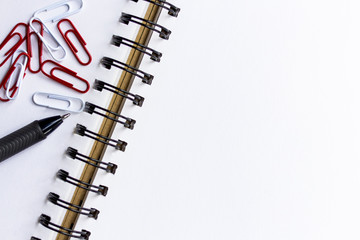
{"x": 249, "y": 131}
{"x": 28, "y": 177}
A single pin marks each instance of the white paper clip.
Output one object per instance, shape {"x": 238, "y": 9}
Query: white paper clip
{"x": 70, "y": 10}
{"x": 59, "y": 102}
{"x": 15, "y": 79}
{"x": 51, "y": 49}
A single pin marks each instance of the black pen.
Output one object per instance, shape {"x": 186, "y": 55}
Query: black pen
{"x": 28, "y": 136}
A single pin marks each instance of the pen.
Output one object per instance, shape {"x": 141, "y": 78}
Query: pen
{"x": 28, "y": 136}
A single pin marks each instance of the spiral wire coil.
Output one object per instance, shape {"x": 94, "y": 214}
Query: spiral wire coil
{"x": 127, "y": 122}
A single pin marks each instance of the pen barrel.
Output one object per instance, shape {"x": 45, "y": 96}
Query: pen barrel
{"x": 20, "y": 140}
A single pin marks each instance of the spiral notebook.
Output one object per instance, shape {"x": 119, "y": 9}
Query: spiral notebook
{"x": 248, "y": 131}
{"x": 118, "y": 35}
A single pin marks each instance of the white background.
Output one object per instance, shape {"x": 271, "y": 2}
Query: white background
{"x": 249, "y": 131}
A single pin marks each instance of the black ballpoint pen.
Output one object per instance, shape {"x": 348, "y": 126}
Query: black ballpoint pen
{"x": 28, "y": 136}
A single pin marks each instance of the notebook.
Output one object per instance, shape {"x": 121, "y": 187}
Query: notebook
{"x": 249, "y": 130}
{"x": 45, "y": 202}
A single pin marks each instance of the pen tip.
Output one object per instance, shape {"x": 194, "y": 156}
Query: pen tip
{"x": 65, "y": 116}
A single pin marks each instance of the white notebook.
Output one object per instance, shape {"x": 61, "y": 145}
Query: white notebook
{"x": 28, "y": 177}
{"x": 249, "y": 130}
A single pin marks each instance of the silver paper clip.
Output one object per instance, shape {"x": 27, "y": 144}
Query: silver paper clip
{"x": 51, "y": 49}
{"x": 71, "y": 104}
{"x": 70, "y": 10}
{"x": 20, "y": 74}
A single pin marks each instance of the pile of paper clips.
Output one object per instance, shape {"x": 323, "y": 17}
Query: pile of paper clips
{"x": 22, "y": 54}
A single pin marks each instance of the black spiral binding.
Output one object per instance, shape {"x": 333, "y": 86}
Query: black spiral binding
{"x": 90, "y": 212}
{"x": 137, "y": 100}
{"x": 74, "y": 154}
{"x": 163, "y": 32}
{"x": 154, "y": 55}
{"x": 64, "y": 175}
{"x": 127, "y": 122}
{"x": 117, "y": 144}
{"x": 173, "y": 11}
{"x": 109, "y": 62}
{"x": 45, "y": 220}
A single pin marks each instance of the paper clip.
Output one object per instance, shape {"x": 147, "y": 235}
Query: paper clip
{"x": 81, "y": 40}
{"x": 63, "y": 69}
{"x": 51, "y": 49}
{"x": 11, "y": 35}
{"x": 9, "y": 83}
{"x": 16, "y": 83}
{"x": 69, "y": 10}
{"x": 73, "y": 104}
{"x": 40, "y": 45}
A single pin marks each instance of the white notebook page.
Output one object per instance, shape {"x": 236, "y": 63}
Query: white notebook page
{"x": 251, "y": 129}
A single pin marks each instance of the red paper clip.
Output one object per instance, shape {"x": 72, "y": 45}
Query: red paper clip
{"x": 11, "y": 35}
{"x": 16, "y": 86}
{"x": 29, "y": 34}
{"x": 63, "y": 69}
{"x": 72, "y": 47}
